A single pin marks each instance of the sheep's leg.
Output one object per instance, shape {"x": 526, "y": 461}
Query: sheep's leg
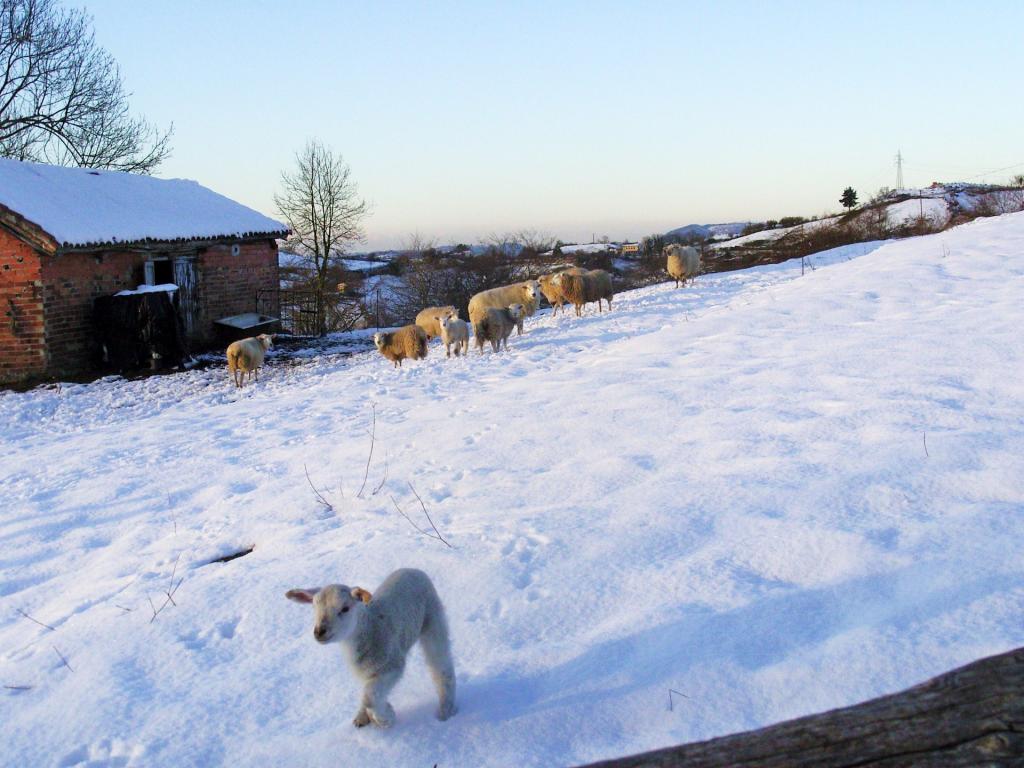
{"x": 448, "y": 349}
{"x": 437, "y": 652}
{"x": 375, "y": 699}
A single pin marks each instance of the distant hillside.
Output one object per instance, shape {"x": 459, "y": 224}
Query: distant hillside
{"x": 709, "y": 231}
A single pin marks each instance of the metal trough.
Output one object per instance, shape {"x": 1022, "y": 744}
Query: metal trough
{"x": 247, "y": 324}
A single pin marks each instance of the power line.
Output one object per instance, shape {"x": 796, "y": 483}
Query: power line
{"x": 899, "y": 170}
{"x": 997, "y": 170}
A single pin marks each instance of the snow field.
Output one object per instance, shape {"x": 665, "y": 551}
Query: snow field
{"x": 775, "y": 494}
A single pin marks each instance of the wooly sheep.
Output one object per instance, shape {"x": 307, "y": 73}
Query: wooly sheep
{"x": 527, "y": 294}
{"x": 246, "y": 356}
{"x": 429, "y": 319}
{"x": 408, "y": 341}
{"x": 454, "y": 331}
{"x": 682, "y": 262}
{"x": 551, "y": 291}
{"x": 496, "y": 326}
{"x": 376, "y": 631}
{"x": 593, "y": 285}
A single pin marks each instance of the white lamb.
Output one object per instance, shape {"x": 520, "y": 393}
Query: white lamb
{"x": 377, "y": 632}
{"x": 454, "y": 331}
{"x": 246, "y": 356}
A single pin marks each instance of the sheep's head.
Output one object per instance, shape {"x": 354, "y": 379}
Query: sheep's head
{"x": 266, "y": 340}
{"x": 531, "y": 290}
{"x": 516, "y": 310}
{"x": 446, "y": 321}
{"x": 335, "y": 609}
{"x": 379, "y": 340}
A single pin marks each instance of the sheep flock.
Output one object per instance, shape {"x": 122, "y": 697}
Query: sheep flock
{"x": 493, "y": 313}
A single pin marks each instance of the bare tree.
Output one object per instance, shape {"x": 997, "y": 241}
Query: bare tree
{"x": 61, "y": 96}
{"x": 321, "y": 205}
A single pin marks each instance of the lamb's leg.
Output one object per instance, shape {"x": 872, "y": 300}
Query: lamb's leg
{"x": 448, "y": 349}
{"x": 437, "y": 652}
{"x": 375, "y": 700}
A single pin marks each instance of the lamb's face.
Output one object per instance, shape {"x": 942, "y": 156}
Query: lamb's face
{"x": 378, "y": 340}
{"x": 333, "y": 614}
{"x": 516, "y": 310}
{"x": 445, "y": 321}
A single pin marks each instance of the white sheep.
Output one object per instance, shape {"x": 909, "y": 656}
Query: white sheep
{"x": 496, "y": 326}
{"x": 429, "y": 319}
{"x": 682, "y": 262}
{"x": 526, "y": 294}
{"x": 377, "y": 632}
{"x": 408, "y": 341}
{"x": 454, "y": 331}
{"x": 246, "y": 356}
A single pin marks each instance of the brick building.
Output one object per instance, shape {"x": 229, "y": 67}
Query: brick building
{"x": 70, "y": 235}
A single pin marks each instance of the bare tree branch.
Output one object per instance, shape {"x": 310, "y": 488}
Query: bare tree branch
{"x": 34, "y": 620}
{"x": 436, "y": 534}
{"x": 319, "y": 496}
{"x": 61, "y": 655}
{"x": 61, "y": 95}
{"x": 373, "y": 440}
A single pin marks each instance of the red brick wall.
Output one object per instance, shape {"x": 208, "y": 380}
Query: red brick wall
{"x": 228, "y": 284}
{"x": 72, "y": 282}
{"x": 53, "y": 296}
{"x": 22, "y": 349}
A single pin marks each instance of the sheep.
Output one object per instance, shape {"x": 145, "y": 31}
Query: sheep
{"x": 527, "y": 294}
{"x": 593, "y": 285}
{"x": 246, "y": 356}
{"x": 682, "y": 262}
{"x": 429, "y": 319}
{"x": 454, "y": 331}
{"x": 496, "y": 326}
{"x": 377, "y": 632}
{"x": 408, "y": 341}
{"x": 551, "y": 291}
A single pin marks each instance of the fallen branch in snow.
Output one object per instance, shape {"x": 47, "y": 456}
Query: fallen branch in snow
{"x": 35, "y": 620}
{"x": 18, "y": 687}
{"x": 126, "y": 610}
{"x": 373, "y": 441}
{"x": 436, "y": 534}
{"x": 319, "y": 496}
{"x": 677, "y": 693}
{"x": 61, "y": 655}
{"x": 924, "y": 439}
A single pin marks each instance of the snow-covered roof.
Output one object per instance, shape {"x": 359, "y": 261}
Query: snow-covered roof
{"x": 78, "y": 207}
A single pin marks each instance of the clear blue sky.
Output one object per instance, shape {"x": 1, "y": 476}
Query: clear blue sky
{"x": 612, "y": 118}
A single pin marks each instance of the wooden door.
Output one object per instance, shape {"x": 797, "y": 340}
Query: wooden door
{"x": 188, "y": 294}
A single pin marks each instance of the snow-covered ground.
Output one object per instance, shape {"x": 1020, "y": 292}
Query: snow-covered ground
{"x": 772, "y": 493}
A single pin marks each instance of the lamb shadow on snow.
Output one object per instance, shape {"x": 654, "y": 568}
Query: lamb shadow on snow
{"x": 752, "y": 637}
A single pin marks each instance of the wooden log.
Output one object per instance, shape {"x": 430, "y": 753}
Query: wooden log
{"x": 972, "y": 716}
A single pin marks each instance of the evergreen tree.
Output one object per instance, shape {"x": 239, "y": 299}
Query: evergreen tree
{"x": 849, "y": 198}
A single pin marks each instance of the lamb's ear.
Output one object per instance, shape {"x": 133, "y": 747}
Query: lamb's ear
{"x": 361, "y": 594}
{"x": 302, "y": 595}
